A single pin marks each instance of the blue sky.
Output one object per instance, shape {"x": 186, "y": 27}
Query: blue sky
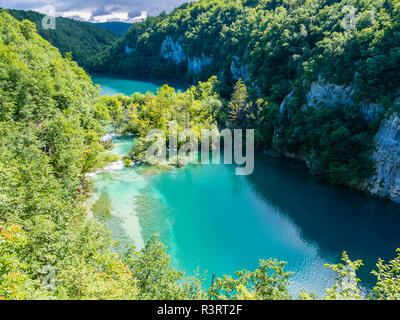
{"x": 97, "y": 10}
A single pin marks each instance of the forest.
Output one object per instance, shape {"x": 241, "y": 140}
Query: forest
{"x": 83, "y": 40}
{"x": 52, "y": 119}
{"x": 279, "y": 41}
{"x": 285, "y": 46}
{"x": 119, "y": 28}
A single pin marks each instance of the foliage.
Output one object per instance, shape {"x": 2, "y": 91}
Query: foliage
{"x": 334, "y": 141}
{"x": 388, "y": 275}
{"x": 278, "y": 41}
{"x": 49, "y": 140}
{"x": 51, "y": 120}
{"x": 346, "y": 286}
{"x": 268, "y": 282}
{"x": 259, "y": 115}
{"x": 197, "y": 108}
{"x": 81, "y": 39}
{"x": 156, "y": 280}
{"x": 282, "y": 45}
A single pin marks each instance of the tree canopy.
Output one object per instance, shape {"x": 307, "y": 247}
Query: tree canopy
{"x": 51, "y": 122}
{"x": 81, "y": 39}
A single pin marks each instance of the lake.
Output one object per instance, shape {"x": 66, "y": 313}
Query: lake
{"x": 112, "y": 85}
{"x": 217, "y": 221}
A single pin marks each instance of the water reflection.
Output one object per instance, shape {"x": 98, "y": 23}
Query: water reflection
{"x": 337, "y": 219}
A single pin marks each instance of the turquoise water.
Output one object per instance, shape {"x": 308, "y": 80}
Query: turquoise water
{"x": 112, "y": 86}
{"x": 217, "y": 221}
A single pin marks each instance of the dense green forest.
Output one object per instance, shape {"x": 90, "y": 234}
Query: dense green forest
{"x": 117, "y": 27}
{"x": 52, "y": 119}
{"x": 279, "y": 41}
{"x": 282, "y": 47}
{"x": 81, "y": 39}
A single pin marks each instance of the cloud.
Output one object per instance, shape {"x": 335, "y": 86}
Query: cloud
{"x": 122, "y": 10}
{"x": 100, "y": 11}
{"x": 134, "y": 13}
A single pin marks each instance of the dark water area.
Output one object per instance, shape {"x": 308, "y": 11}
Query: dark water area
{"x": 336, "y": 218}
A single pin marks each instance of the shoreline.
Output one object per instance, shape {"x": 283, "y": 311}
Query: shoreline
{"x": 130, "y": 219}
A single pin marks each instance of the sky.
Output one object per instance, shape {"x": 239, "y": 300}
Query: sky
{"x": 96, "y": 10}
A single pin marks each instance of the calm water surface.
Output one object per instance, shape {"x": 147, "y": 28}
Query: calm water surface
{"x": 112, "y": 85}
{"x": 217, "y": 221}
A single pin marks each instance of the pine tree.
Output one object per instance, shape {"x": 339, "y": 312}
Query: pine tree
{"x": 238, "y": 104}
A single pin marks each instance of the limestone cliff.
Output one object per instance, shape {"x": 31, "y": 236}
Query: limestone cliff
{"x": 174, "y": 51}
{"x": 323, "y": 92}
{"x": 385, "y": 182}
{"x": 238, "y": 70}
{"x": 197, "y": 65}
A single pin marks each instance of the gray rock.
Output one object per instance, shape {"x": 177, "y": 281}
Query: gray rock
{"x": 332, "y": 95}
{"x": 128, "y": 50}
{"x": 238, "y": 70}
{"x": 285, "y": 101}
{"x": 386, "y": 180}
{"x": 173, "y": 50}
{"x": 325, "y": 93}
{"x": 196, "y": 65}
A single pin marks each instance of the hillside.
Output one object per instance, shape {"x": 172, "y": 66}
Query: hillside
{"x": 306, "y": 59}
{"x": 119, "y": 28}
{"x": 51, "y": 123}
{"x": 82, "y": 39}
{"x": 51, "y": 119}
{"x": 269, "y": 43}
{"x": 49, "y": 139}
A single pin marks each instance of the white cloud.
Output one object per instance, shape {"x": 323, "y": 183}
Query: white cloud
{"x": 98, "y": 10}
{"x": 83, "y": 15}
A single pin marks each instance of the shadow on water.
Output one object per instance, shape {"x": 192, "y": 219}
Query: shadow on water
{"x": 336, "y": 218}
{"x": 218, "y": 221}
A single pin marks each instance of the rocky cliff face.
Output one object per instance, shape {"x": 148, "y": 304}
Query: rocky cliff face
{"x": 173, "y": 50}
{"x": 128, "y": 50}
{"x": 385, "y": 182}
{"x": 197, "y": 65}
{"x": 323, "y": 92}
